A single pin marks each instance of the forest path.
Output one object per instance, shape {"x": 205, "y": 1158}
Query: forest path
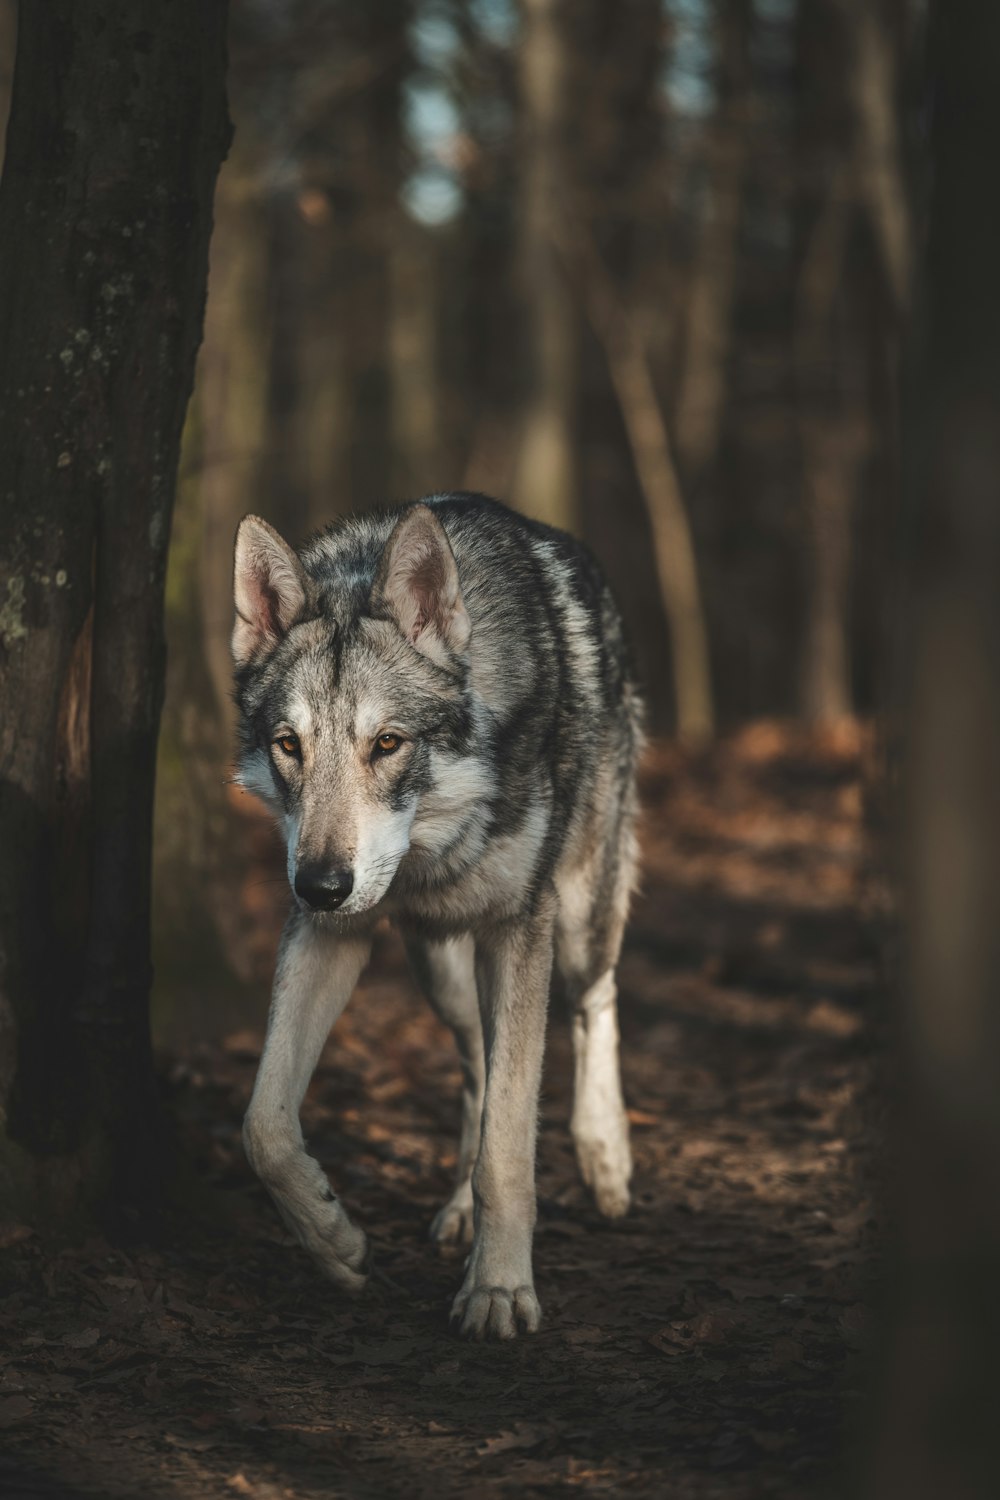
{"x": 714, "y": 1343}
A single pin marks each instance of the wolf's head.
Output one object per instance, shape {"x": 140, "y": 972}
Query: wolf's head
{"x": 354, "y": 713}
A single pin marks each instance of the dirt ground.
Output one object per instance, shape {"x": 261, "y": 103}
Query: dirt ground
{"x": 714, "y": 1344}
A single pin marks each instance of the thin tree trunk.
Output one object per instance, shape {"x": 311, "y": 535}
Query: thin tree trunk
{"x": 544, "y": 479}
{"x": 8, "y": 46}
{"x": 649, "y": 440}
{"x": 231, "y": 410}
{"x": 413, "y": 355}
{"x": 117, "y": 129}
{"x": 708, "y": 320}
{"x": 833, "y": 444}
{"x": 878, "y": 154}
{"x": 833, "y": 423}
{"x": 323, "y": 424}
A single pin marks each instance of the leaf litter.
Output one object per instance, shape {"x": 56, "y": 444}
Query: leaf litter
{"x": 710, "y": 1344}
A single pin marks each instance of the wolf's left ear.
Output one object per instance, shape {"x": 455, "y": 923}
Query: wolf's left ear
{"x": 270, "y": 589}
{"x": 417, "y": 586}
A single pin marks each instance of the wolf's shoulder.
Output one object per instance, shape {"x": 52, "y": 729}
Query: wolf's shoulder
{"x": 485, "y": 531}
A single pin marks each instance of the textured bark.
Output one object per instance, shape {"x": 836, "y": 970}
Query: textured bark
{"x": 117, "y": 128}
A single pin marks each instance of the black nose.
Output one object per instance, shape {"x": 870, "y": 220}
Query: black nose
{"x": 323, "y": 889}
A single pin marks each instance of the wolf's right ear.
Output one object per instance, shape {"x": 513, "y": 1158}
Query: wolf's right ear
{"x": 270, "y": 589}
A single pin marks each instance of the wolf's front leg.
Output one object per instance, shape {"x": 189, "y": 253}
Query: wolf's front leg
{"x": 513, "y": 968}
{"x": 317, "y": 971}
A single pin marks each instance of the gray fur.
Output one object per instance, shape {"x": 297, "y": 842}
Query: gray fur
{"x": 436, "y": 701}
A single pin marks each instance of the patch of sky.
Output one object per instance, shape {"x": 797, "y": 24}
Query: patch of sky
{"x": 496, "y": 20}
{"x": 435, "y": 40}
{"x": 687, "y": 76}
{"x": 431, "y": 193}
{"x": 430, "y": 118}
{"x": 432, "y": 196}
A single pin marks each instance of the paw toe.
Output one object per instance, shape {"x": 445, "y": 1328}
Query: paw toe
{"x": 606, "y": 1168}
{"x": 496, "y": 1313}
{"x": 612, "y": 1199}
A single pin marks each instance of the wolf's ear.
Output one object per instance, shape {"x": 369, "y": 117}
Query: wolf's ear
{"x": 417, "y": 586}
{"x": 270, "y": 589}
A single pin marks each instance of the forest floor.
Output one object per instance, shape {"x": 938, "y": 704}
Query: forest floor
{"x": 715, "y": 1343}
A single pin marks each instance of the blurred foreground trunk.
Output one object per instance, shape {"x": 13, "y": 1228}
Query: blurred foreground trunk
{"x": 938, "y": 1433}
{"x": 117, "y": 129}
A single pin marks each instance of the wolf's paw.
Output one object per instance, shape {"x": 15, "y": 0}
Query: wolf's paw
{"x": 350, "y": 1275}
{"x": 495, "y": 1312}
{"x": 334, "y": 1241}
{"x": 453, "y": 1224}
{"x": 606, "y": 1166}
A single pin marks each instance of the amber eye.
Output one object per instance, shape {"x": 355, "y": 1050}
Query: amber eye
{"x": 288, "y": 744}
{"x": 387, "y": 744}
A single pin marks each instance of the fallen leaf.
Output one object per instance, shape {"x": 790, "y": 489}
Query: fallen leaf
{"x": 522, "y": 1437}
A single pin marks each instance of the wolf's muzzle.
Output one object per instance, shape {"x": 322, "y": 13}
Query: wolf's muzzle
{"x": 323, "y": 889}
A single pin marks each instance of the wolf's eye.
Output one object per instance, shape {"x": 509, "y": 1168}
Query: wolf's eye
{"x": 387, "y": 744}
{"x": 288, "y": 744}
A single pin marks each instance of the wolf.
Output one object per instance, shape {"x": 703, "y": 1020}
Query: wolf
{"x": 436, "y": 703}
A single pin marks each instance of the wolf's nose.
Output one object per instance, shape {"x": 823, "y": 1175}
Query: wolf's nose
{"x": 322, "y": 889}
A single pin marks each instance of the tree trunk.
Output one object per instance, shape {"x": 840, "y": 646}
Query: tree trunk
{"x": 230, "y": 409}
{"x": 708, "y": 320}
{"x": 8, "y": 45}
{"x": 413, "y": 354}
{"x": 652, "y": 454}
{"x": 938, "y": 1418}
{"x": 544, "y": 480}
{"x": 830, "y": 418}
{"x": 117, "y": 128}
{"x": 324, "y": 416}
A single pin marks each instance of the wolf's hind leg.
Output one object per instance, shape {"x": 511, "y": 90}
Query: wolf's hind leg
{"x": 599, "y": 1124}
{"x": 587, "y": 950}
{"x": 317, "y": 970}
{"x": 446, "y": 973}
